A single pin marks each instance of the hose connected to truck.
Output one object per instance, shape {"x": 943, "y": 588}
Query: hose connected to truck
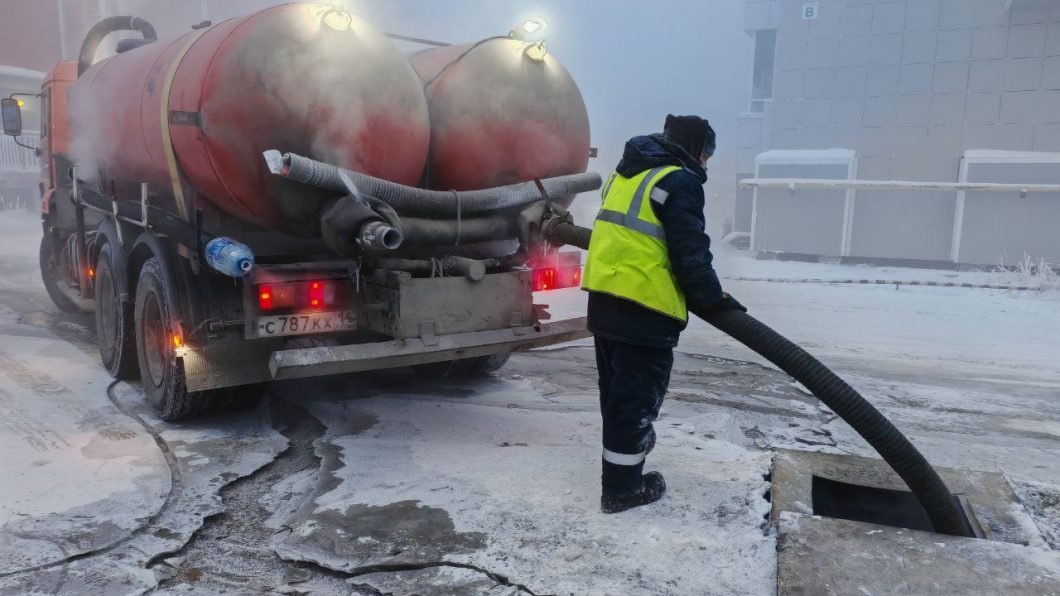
{"x": 431, "y": 203}
{"x": 941, "y": 507}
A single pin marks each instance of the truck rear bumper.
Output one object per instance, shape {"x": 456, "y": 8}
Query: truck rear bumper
{"x": 315, "y": 362}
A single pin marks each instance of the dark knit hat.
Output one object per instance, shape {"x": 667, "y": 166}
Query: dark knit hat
{"x": 691, "y": 133}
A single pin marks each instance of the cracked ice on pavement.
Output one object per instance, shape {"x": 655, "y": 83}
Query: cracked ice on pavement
{"x": 504, "y": 481}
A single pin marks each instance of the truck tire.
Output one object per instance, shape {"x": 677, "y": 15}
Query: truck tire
{"x": 49, "y": 274}
{"x": 114, "y": 319}
{"x": 161, "y": 372}
{"x": 466, "y": 368}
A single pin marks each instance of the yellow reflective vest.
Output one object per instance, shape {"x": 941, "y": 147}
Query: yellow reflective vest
{"x": 627, "y": 254}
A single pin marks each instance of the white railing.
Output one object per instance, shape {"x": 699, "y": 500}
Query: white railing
{"x": 794, "y": 184}
{"x": 14, "y": 158}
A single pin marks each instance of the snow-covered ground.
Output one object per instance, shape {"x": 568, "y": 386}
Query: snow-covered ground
{"x": 911, "y": 331}
{"x": 394, "y": 485}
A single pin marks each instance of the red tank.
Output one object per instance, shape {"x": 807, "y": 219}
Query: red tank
{"x": 501, "y": 112}
{"x": 306, "y": 78}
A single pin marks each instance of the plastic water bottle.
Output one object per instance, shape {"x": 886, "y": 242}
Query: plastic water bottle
{"x": 229, "y": 257}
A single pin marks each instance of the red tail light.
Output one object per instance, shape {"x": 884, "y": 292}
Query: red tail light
{"x": 265, "y": 297}
{"x": 555, "y": 279}
{"x": 320, "y": 294}
{"x": 316, "y": 294}
{"x": 544, "y": 279}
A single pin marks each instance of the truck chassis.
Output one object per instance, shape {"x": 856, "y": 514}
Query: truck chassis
{"x": 198, "y": 339}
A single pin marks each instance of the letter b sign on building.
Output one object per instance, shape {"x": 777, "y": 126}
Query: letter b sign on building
{"x": 809, "y": 11}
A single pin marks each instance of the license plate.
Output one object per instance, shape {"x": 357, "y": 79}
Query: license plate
{"x": 305, "y": 323}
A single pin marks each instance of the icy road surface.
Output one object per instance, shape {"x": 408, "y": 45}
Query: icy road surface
{"x": 386, "y": 484}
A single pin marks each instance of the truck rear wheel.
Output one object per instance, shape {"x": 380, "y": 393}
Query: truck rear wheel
{"x": 466, "y": 368}
{"x": 49, "y": 274}
{"x": 161, "y": 372}
{"x": 114, "y": 319}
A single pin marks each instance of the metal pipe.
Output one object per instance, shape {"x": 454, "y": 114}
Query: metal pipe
{"x": 794, "y": 184}
{"x": 470, "y": 268}
{"x": 377, "y": 236}
{"x": 419, "y": 40}
{"x": 105, "y": 27}
{"x": 62, "y": 29}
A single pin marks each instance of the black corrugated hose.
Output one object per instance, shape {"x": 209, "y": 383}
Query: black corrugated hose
{"x": 855, "y": 410}
{"x": 848, "y": 404}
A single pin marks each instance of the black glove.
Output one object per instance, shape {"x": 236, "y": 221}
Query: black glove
{"x": 727, "y": 302}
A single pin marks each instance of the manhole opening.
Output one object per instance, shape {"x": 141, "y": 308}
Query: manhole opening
{"x": 882, "y": 506}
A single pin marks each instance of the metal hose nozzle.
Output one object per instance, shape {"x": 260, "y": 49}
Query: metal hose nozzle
{"x": 378, "y": 236}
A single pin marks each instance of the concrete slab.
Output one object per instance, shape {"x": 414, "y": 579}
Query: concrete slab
{"x": 832, "y": 556}
{"x": 995, "y": 506}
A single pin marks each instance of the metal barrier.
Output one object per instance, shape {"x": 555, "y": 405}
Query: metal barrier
{"x": 793, "y": 185}
{"x": 14, "y": 158}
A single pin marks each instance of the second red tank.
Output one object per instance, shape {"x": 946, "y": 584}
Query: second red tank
{"x": 502, "y": 111}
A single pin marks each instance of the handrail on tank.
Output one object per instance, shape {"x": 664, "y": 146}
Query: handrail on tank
{"x": 102, "y": 29}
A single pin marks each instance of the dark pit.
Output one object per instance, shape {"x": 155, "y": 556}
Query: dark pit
{"x": 881, "y": 506}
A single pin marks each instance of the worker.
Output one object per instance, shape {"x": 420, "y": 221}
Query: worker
{"x": 649, "y": 261}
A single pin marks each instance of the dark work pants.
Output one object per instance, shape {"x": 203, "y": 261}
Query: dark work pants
{"x": 633, "y": 382}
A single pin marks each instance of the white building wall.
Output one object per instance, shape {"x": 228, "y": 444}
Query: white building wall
{"x": 910, "y": 85}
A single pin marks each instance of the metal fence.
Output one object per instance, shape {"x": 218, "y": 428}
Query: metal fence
{"x": 14, "y": 158}
{"x": 1010, "y": 219}
{"x": 19, "y": 173}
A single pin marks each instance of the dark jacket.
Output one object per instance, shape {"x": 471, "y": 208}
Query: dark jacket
{"x": 687, "y": 242}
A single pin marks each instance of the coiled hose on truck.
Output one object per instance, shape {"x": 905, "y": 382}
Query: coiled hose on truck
{"x": 848, "y": 404}
{"x": 431, "y": 203}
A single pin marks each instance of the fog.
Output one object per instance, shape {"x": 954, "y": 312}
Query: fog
{"x": 632, "y": 68}
{"x": 692, "y": 58}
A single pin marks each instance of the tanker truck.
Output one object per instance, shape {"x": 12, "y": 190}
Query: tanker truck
{"x": 287, "y": 195}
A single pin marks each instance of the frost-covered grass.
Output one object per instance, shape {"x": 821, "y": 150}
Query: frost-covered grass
{"x": 1028, "y": 272}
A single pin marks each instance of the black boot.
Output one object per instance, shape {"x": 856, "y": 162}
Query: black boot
{"x": 651, "y": 442}
{"x": 652, "y": 488}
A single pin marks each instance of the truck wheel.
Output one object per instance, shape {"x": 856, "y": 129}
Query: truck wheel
{"x": 466, "y": 368}
{"x": 160, "y": 371}
{"x": 114, "y": 320}
{"x": 49, "y": 274}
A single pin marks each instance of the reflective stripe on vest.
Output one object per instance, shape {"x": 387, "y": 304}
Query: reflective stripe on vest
{"x": 631, "y": 218}
{"x": 628, "y": 257}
